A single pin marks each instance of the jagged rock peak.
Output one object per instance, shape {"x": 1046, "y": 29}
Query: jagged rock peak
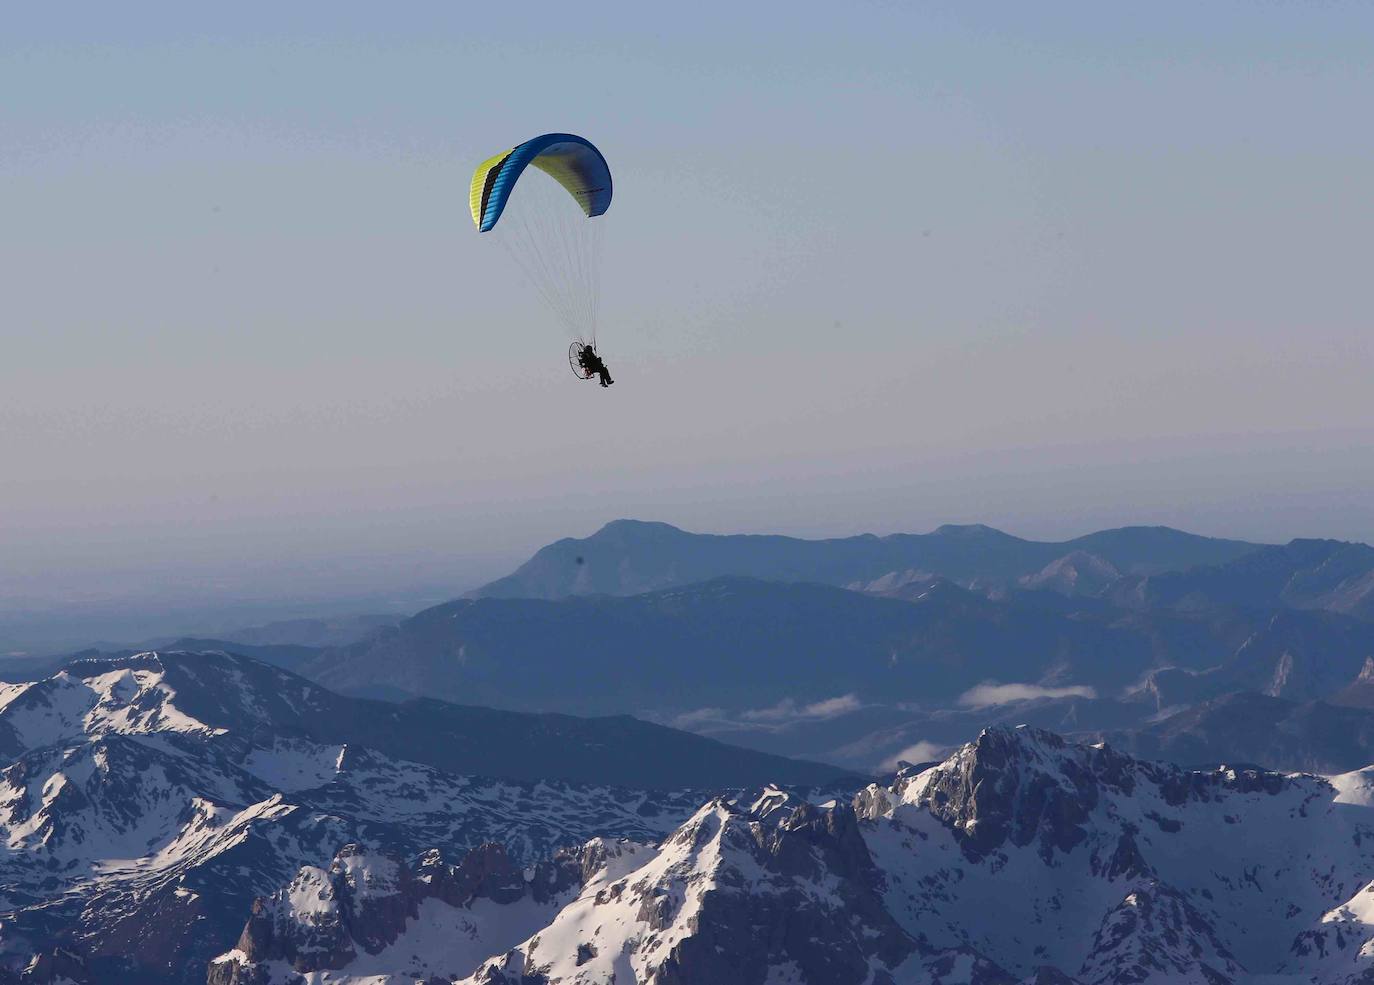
{"x": 733, "y": 892}
{"x": 325, "y": 919}
{"x": 1024, "y": 785}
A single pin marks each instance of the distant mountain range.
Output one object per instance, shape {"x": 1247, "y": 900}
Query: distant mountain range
{"x": 856, "y": 651}
{"x": 1109, "y": 630}
{"x": 741, "y": 644}
{"x": 1130, "y": 567}
{"x": 629, "y": 557}
{"x": 851, "y": 677}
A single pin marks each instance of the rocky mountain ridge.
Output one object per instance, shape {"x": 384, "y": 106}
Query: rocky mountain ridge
{"x": 353, "y": 912}
{"x": 1021, "y": 858}
{"x": 146, "y": 801}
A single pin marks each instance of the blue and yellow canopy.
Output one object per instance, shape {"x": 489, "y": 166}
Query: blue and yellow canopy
{"x": 570, "y": 160}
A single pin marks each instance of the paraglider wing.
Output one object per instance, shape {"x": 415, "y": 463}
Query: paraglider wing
{"x": 570, "y": 160}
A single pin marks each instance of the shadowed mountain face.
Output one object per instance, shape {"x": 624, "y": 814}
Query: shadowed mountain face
{"x": 852, "y": 677}
{"x": 1360, "y": 692}
{"x": 738, "y": 644}
{"x": 1291, "y": 654}
{"x": 1304, "y": 574}
{"x": 1246, "y": 727}
{"x": 628, "y": 557}
{"x": 244, "y": 696}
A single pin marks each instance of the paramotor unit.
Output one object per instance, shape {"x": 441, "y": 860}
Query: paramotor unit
{"x": 586, "y": 363}
{"x": 579, "y": 368}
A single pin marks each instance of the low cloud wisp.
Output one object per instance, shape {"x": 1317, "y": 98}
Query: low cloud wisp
{"x": 920, "y": 752}
{"x": 991, "y": 693}
{"x": 786, "y": 712}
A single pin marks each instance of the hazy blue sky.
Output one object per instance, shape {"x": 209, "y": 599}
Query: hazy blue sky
{"x": 1050, "y": 266}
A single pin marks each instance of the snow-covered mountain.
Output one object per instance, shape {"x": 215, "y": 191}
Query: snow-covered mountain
{"x": 737, "y": 894}
{"x": 148, "y": 800}
{"x": 1021, "y": 858}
